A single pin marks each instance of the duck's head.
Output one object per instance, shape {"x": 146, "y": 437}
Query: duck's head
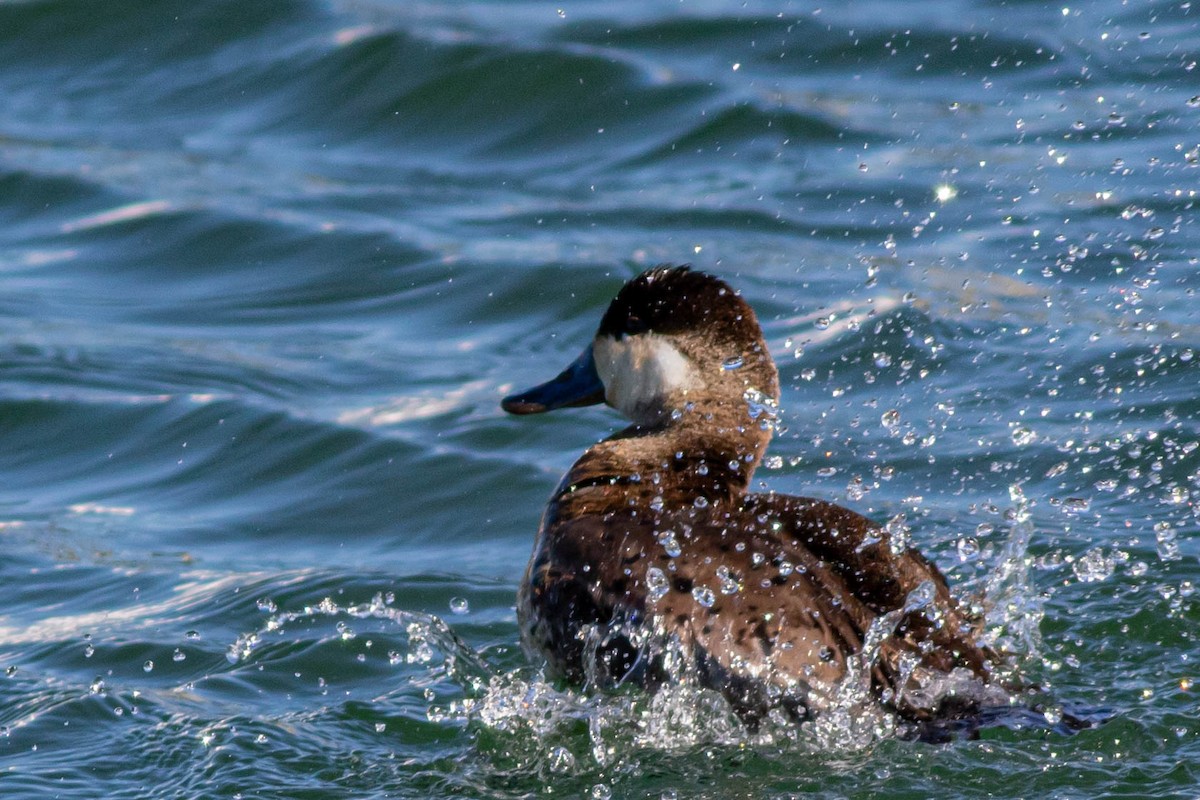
{"x": 673, "y": 343}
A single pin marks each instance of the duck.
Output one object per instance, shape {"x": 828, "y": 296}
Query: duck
{"x": 656, "y": 563}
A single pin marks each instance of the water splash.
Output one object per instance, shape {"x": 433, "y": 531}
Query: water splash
{"x": 430, "y": 640}
{"x": 1013, "y": 609}
{"x": 521, "y": 717}
{"x": 762, "y": 409}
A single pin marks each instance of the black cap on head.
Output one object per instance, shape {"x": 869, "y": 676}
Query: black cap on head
{"x": 671, "y": 300}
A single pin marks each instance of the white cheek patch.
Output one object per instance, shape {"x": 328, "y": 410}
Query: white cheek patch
{"x": 640, "y": 371}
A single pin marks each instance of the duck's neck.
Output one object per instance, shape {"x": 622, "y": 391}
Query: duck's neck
{"x": 700, "y": 457}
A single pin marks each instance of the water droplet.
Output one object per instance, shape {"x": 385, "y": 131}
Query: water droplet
{"x": 1168, "y": 546}
{"x": 856, "y": 489}
{"x": 89, "y": 651}
{"x": 882, "y": 360}
{"x": 1094, "y": 566}
{"x": 729, "y": 582}
{"x": 561, "y": 760}
{"x": 192, "y": 635}
{"x": 735, "y": 362}
{"x": 759, "y": 404}
{"x": 704, "y": 596}
{"x": 1194, "y": 102}
{"x": 700, "y": 502}
{"x": 657, "y": 585}
{"x": 460, "y": 605}
{"x": 267, "y": 605}
{"x": 10, "y": 671}
{"x": 1057, "y": 469}
{"x": 822, "y": 323}
{"x": 1076, "y": 505}
{"x": 968, "y": 548}
{"x": 670, "y": 544}
{"x": 898, "y": 534}
{"x": 922, "y": 598}
{"x": 148, "y": 666}
{"x": 1023, "y": 436}
{"x": 178, "y": 655}
{"x": 890, "y": 419}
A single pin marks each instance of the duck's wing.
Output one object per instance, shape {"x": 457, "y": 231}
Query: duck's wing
{"x": 883, "y": 577}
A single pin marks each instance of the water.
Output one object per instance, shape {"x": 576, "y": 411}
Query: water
{"x": 266, "y": 270}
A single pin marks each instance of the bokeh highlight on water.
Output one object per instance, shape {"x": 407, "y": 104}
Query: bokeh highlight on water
{"x": 266, "y": 270}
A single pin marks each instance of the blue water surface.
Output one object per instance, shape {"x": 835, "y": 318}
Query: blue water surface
{"x": 267, "y": 268}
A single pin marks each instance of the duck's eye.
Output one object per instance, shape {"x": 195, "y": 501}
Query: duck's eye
{"x": 635, "y": 325}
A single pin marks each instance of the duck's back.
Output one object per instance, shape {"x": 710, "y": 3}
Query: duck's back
{"x": 766, "y": 598}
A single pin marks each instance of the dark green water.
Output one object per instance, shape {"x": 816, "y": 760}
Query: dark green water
{"x": 267, "y": 268}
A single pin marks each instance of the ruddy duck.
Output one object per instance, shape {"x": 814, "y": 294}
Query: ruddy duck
{"x": 656, "y": 561}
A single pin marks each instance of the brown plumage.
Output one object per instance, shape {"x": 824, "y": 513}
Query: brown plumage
{"x": 654, "y": 561}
